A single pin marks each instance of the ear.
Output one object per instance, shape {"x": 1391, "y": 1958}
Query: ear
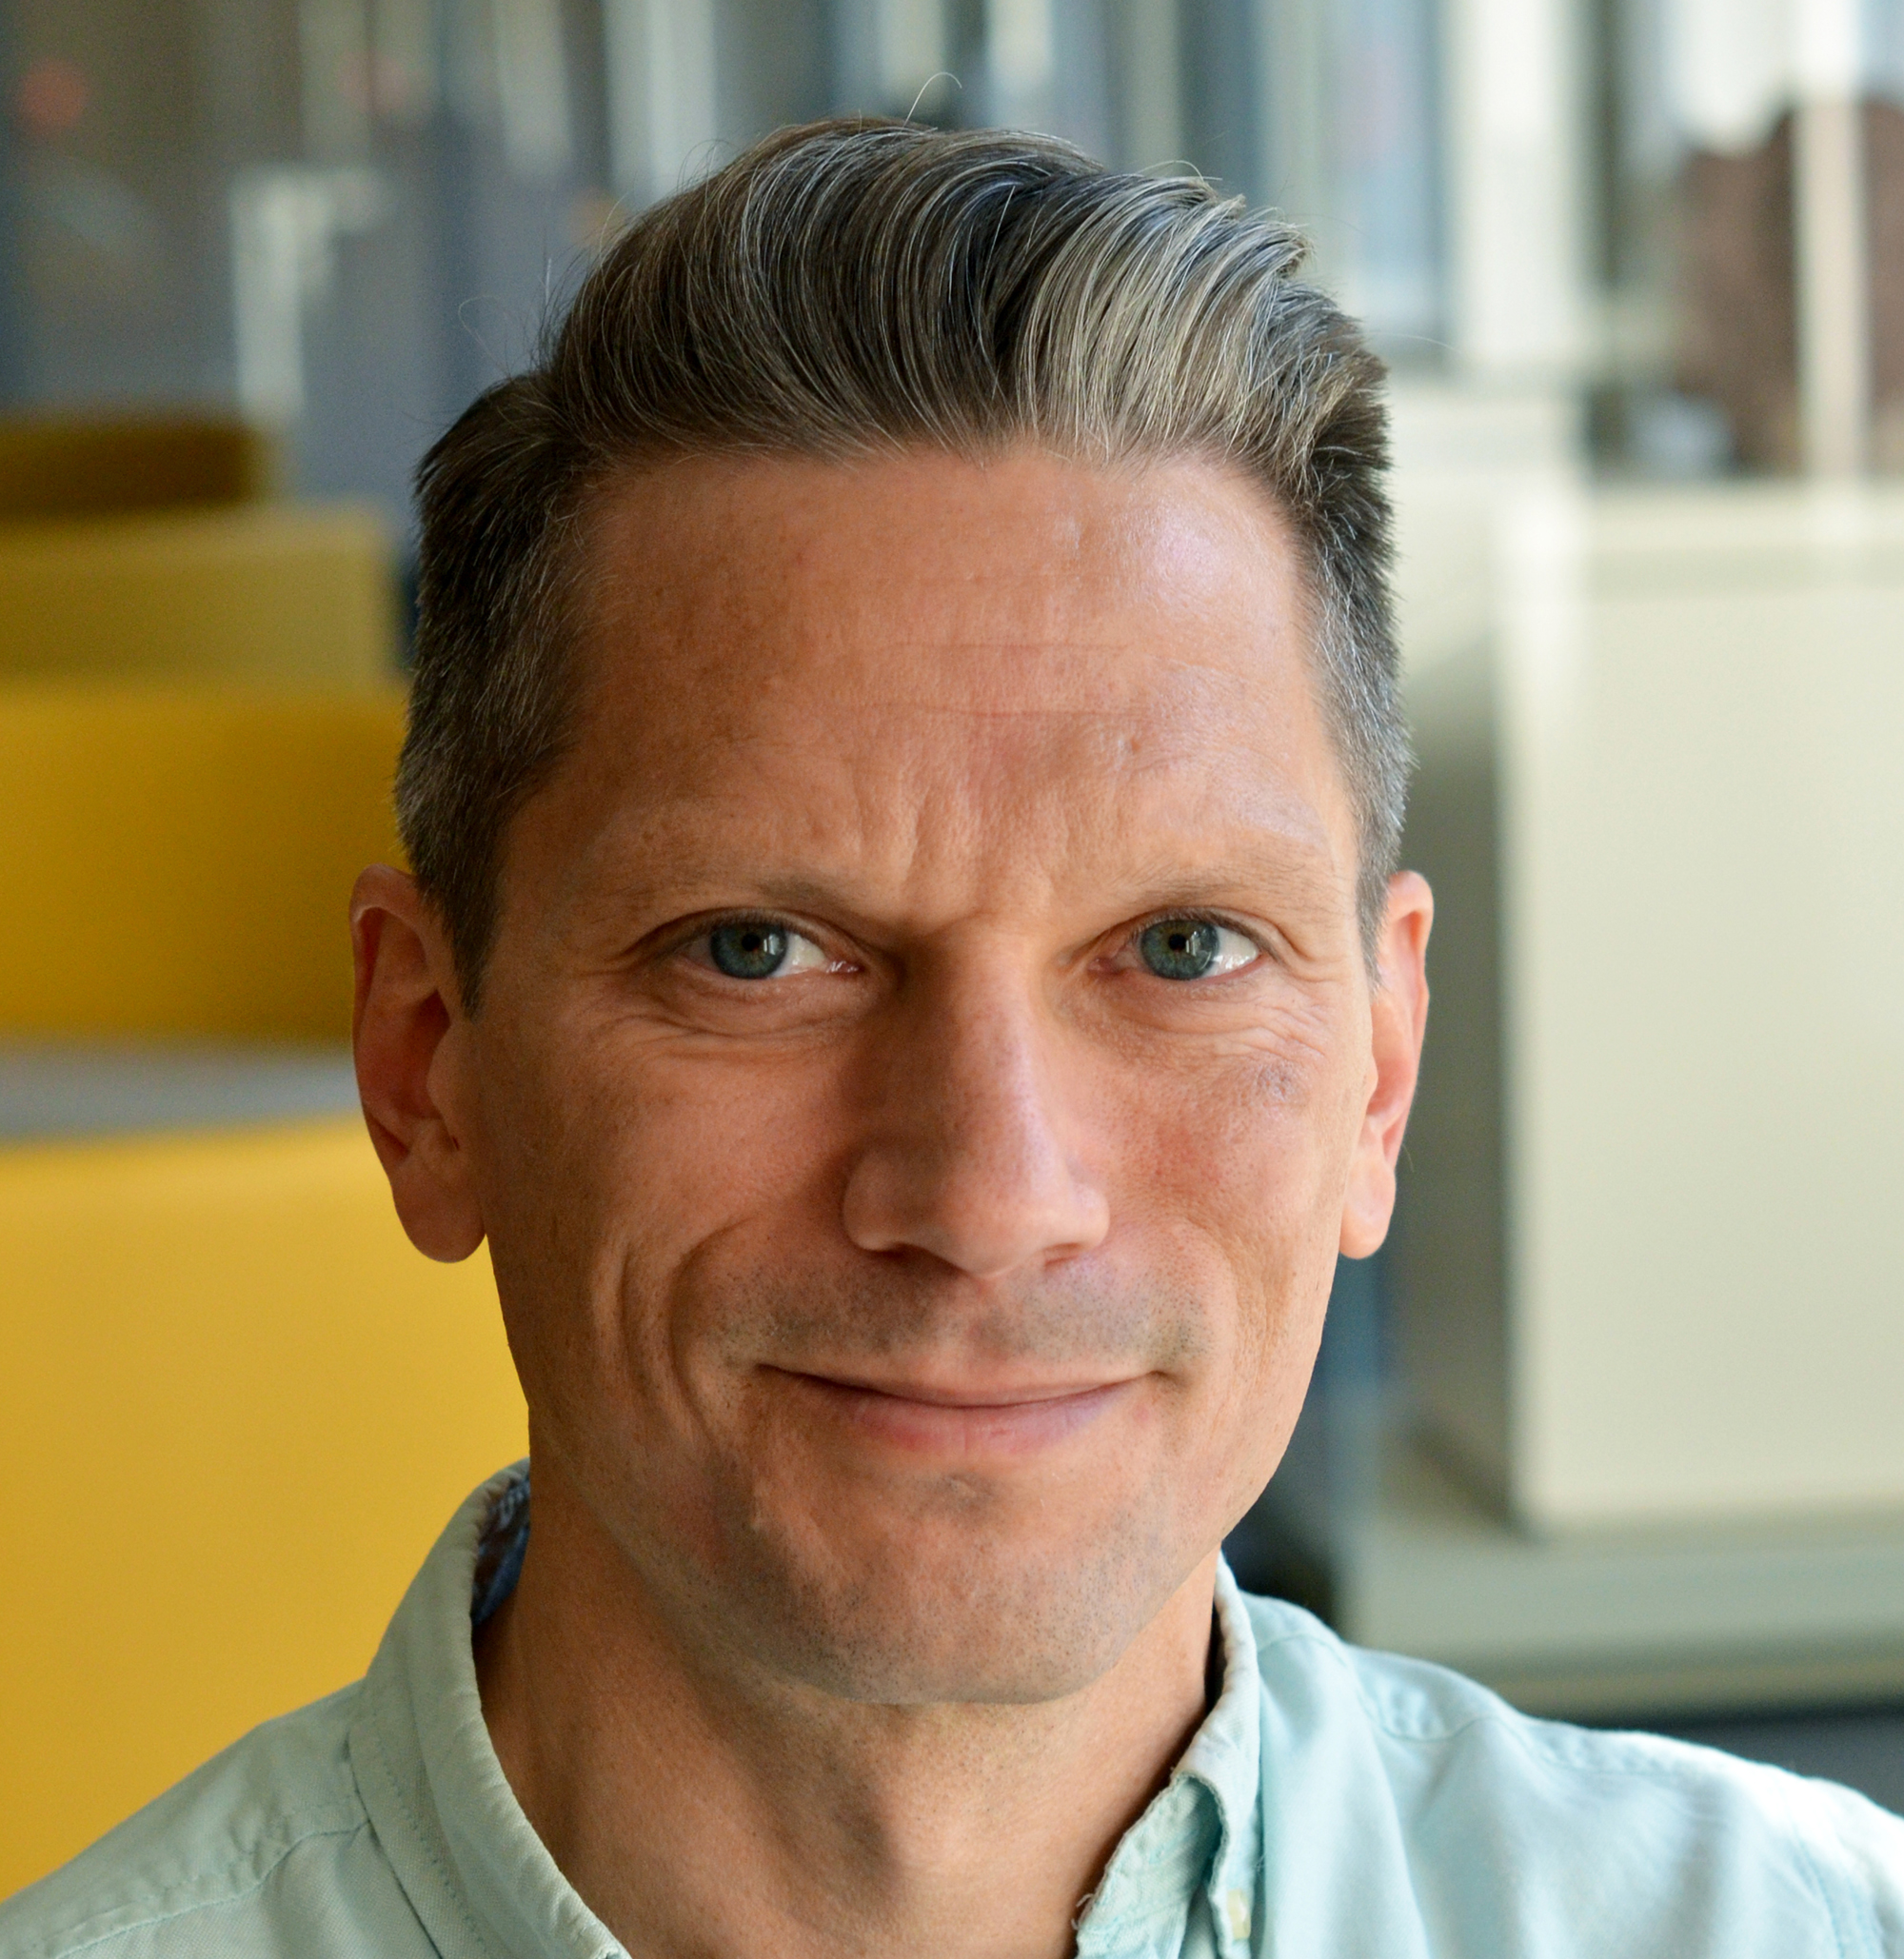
{"x": 1398, "y": 1020}
{"x": 412, "y": 1040}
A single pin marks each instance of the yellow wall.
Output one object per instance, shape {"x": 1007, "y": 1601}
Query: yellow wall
{"x": 179, "y": 862}
{"x": 238, "y": 1408}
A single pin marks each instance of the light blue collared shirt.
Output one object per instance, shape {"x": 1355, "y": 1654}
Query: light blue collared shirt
{"x": 1333, "y": 1804}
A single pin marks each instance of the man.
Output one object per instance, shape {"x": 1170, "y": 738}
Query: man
{"x": 906, "y": 969}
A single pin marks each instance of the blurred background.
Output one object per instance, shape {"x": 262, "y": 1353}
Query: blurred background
{"x": 1612, "y": 1423}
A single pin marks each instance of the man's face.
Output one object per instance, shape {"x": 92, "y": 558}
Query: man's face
{"x": 926, "y": 1064}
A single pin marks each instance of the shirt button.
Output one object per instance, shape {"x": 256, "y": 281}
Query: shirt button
{"x": 1236, "y": 1907}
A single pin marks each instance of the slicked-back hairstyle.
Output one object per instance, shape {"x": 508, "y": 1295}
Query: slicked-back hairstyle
{"x": 854, "y": 288}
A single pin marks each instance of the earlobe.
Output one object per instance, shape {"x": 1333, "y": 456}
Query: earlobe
{"x": 1397, "y": 1021}
{"x": 410, "y": 1035}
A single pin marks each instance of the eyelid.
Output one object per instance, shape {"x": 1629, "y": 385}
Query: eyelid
{"x": 1202, "y": 915}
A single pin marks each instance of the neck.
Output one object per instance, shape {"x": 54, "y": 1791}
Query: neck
{"x": 702, "y": 1808}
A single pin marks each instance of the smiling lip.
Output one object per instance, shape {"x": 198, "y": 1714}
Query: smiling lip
{"x": 965, "y": 1423}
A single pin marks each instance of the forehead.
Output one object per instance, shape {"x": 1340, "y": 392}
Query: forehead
{"x": 1029, "y": 634}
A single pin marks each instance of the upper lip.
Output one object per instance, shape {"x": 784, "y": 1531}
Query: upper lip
{"x": 955, "y": 1395}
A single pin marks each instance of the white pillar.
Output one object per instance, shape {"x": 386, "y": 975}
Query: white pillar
{"x": 662, "y": 102}
{"x": 1021, "y": 57}
{"x": 1516, "y": 205}
{"x": 1830, "y": 236}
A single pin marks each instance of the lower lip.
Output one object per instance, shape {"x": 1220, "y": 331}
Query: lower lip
{"x": 962, "y": 1432}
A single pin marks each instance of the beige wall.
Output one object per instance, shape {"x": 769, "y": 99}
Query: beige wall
{"x": 1682, "y": 738}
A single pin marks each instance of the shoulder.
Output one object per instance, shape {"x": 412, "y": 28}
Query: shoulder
{"x": 1539, "y": 1836}
{"x": 266, "y": 1849}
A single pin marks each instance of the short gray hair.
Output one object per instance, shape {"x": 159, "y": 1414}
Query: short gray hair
{"x": 856, "y": 287}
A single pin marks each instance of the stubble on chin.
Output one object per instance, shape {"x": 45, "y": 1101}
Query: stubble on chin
{"x": 877, "y": 1583}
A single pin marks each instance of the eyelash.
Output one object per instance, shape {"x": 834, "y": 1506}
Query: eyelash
{"x": 1195, "y": 915}
{"x": 1127, "y": 946}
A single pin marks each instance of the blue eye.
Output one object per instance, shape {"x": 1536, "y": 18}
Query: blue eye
{"x": 762, "y": 949}
{"x": 748, "y": 949}
{"x": 1192, "y": 949}
{"x": 1178, "y": 948}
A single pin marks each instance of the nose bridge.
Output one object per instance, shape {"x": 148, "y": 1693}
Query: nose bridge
{"x": 970, "y": 1152}
{"x": 990, "y": 1095}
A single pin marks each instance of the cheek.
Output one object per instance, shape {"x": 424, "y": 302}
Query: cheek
{"x": 1259, "y": 1132}
{"x": 642, "y": 1164}
{"x": 698, "y": 1149}
{"x": 1246, "y": 1165}
{"x": 669, "y": 1145}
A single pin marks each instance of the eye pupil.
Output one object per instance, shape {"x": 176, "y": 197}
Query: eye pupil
{"x": 747, "y": 952}
{"x": 1180, "y": 948}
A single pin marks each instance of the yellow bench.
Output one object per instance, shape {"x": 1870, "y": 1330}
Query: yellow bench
{"x": 179, "y": 862}
{"x": 275, "y": 594}
{"x": 70, "y": 465}
{"x": 238, "y": 1408}
{"x": 142, "y": 547}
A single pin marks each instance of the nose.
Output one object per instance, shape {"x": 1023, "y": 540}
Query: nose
{"x": 968, "y": 1156}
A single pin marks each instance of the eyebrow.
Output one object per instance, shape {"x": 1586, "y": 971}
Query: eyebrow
{"x": 1294, "y": 870}
{"x": 1310, "y": 871}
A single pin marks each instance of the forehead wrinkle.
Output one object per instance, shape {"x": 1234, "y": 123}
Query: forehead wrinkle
{"x": 1277, "y": 860}
{"x": 1096, "y": 663}
{"x": 964, "y": 676}
{"x": 900, "y": 795}
{"x": 1196, "y": 715}
{"x": 672, "y": 848}
{"x": 1120, "y": 735}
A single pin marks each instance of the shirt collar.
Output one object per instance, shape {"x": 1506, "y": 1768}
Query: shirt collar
{"x": 1200, "y": 1841}
{"x": 481, "y": 1881}
{"x": 476, "y": 1873}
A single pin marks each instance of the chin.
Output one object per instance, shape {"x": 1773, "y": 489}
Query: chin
{"x": 934, "y": 1614}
